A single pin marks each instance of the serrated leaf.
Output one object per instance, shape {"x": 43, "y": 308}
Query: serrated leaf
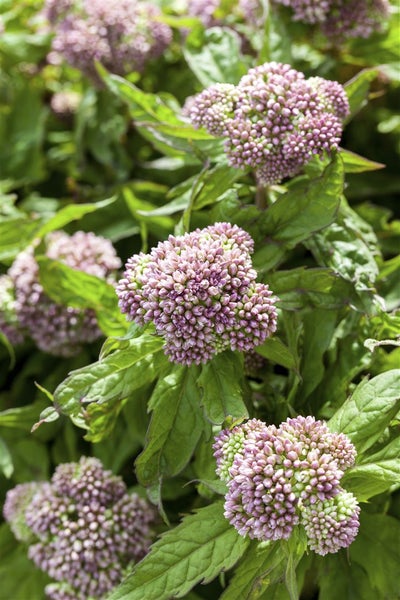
{"x": 340, "y": 578}
{"x": 369, "y": 410}
{"x": 175, "y": 426}
{"x": 70, "y": 213}
{"x": 304, "y": 209}
{"x": 70, "y": 287}
{"x": 319, "y": 288}
{"x": 198, "y": 549}
{"x": 218, "y": 58}
{"x": 221, "y": 388}
{"x": 261, "y": 567}
{"x": 375, "y": 473}
{"x": 377, "y": 550}
{"x": 110, "y": 380}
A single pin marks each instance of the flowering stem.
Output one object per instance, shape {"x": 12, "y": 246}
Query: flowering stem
{"x": 261, "y": 197}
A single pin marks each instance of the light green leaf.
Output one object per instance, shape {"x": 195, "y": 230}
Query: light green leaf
{"x": 369, "y": 410}
{"x": 221, "y": 388}
{"x": 175, "y": 426}
{"x": 354, "y": 163}
{"x": 70, "y": 287}
{"x": 110, "y": 380}
{"x": 15, "y": 234}
{"x": 375, "y": 473}
{"x": 73, "y": 212}
{"x": 6, "y": 462}
{"x": 217, "y": 59}
{"x": 357, "y": 89}
{"x": 202, "y": 546}
{"x": 274, "y": 349}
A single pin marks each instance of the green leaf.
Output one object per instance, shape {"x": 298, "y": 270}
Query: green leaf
{"x": 217, "y": 59}
{"x": 357, "y": 89}
{"x": 221, "y": 388}
{"x": 319, "y": 288}
{"x": 198, "y": 549}
{"x": 274, "y": 349}
{"x": 261, "y": 566}
{"x": 73, "y": 212}
{"x": 340, "y": 578}
{"x": 175, "y": 426}
{"x": 15, "y": 235}
{"x": 369, "y": 410}
{"x": 213, "y": 184}
{"x": 6, "y": 462}
{"x": 354, "y": 163}
{"x": 377, "y": 550}
{"x": 110, "y": 380}
{"x": 20, "y": 579}
{"x": 307, "y": 207}
{"x": 21, "y": 417}
{"x": 70, "y": 287}
{"x": 376, "y": 473}
{"x": 350, "y": 247}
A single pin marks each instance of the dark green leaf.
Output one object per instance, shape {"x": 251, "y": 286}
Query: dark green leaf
{"x": 357, "y": 89}
{"x": 175, "y": 426}
{"x": 319, "y": 288}
{"x": 274, "y": 349}
{"x": 340, "y": 578}
{"x": 221, "y": 388}
{"x": 377, "y": 550}
{"x": 202, "y": 546}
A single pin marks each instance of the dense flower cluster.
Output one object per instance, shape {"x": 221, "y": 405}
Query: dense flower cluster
{"x": 250, "y": 11}
{"x": 121, "y": 34}
{"x": 199, "y": 289}
{"x": 86, "y": 528}
{"x": 9, "y": 323}
{"x": 58, "y": 329}
{"x": 341, "y": 19}
{"x": 279, "y": 477}
{"x": 274, "y": 120}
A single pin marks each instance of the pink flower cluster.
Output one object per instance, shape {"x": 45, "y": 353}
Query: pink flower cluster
{"x": 279, "y": 477}
{"x": 123, "y": 35}
{"x": 200, "y": 292}
{"x": 58, "y": 329}
{"x": 83, "y": 528}
{"x": 274, "y": 121}
{"x": 341, "y": 19}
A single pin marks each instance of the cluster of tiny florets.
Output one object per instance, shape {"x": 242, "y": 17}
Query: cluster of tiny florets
{"x": 121, "y": 34}
{"x": 9, "y": 323}
{"x": 279, "y": 477}
{"x": 341, "y": 19}
{"x": 58, "y": 329}
{"x": 199, "y": 290}
{"x": 274, "y": 121}
{"x": 85, "y": 528}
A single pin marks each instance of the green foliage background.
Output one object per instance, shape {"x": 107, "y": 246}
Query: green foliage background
{"x": 127, "y": 166}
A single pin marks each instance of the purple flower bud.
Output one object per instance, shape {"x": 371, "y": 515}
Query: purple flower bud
{"x": 84, "y": 528}
{"x": 274, "y": 121}
{"x": 58, "y": 329}
{"x": 278, "y": 477}
{"x": 121, "y": 34}
{"x": 199, "y": 290}
{"x": 331, "y": 524}
{"x": 16, "y": 502}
